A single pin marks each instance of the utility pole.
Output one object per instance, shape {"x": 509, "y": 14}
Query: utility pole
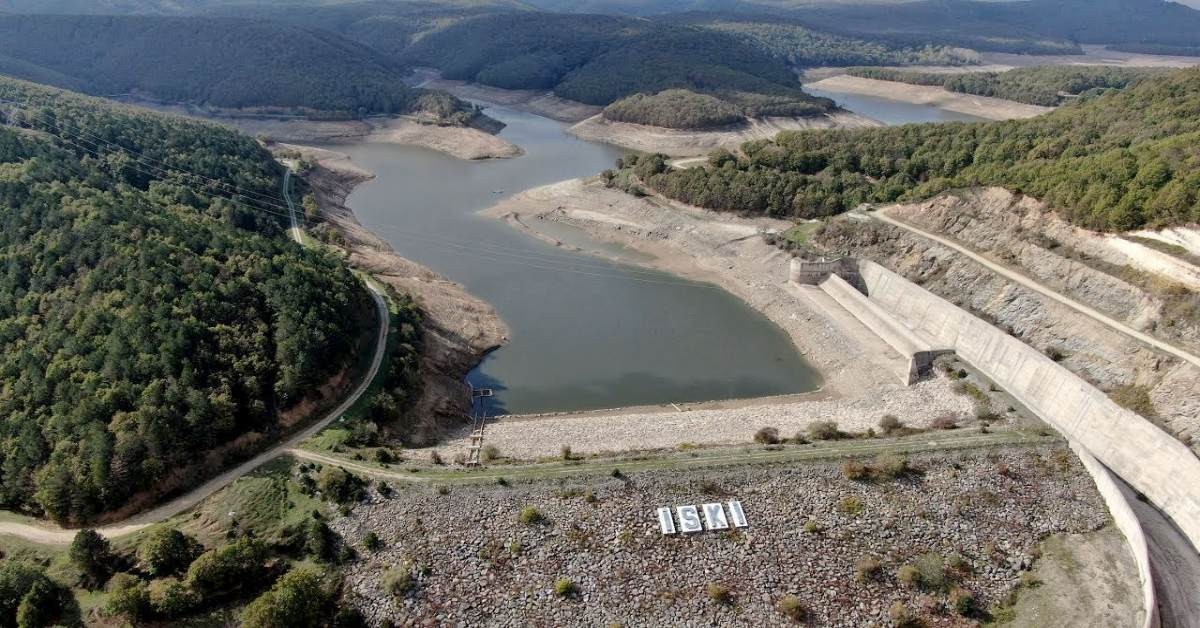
{"x": 478, "y": 423}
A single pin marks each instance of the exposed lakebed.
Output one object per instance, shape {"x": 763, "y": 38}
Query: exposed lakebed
{"x": 889, "y": 111}
{"x": 586, "y": 332}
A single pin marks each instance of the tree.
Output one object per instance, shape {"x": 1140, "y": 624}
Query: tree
{"x": 299, "y": 599}
{"x": 167, "y": 551}
{"x": 92, "y": 555}
{"x": 28, "y": 598}
{"x": 128, "y": 597}
{"x": 228, "y": 568}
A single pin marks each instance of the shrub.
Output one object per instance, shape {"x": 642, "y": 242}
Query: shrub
{"x": 490, "y": 453}
{"x": 371, "y": 542}
{"x": 92, "y": 555}
{"x": 812, "y": 526}
{"x": 793, "y": 608}
{"x": 127, "y": 596}
{"x": 443, "y": 490}
{"x": 171, "y": 598}
{"x": 566, "y": 452}
{"x": 825, "y": 430}
{"x": 1030, "y": 581}
{"x": 932, "y": 569}
{"x": 340, "y": 486}
{"x": 854, "y": 470}
{"x": 962, "y": 601}
{"x": 297, "y": 599}
{"x": 27, "y": 595}
{"x": 565, "y": 587}
{"x": 889, "y": 423}
{"x": 719, "y": 593}
{"x": 767, "y": 436}
{"x": 228, "y": 568}
{"x": 867, "y": 569}
{"x": 904, "y": 618}
{"x": 958, "y": 563}
{"x": 891, "y": 466}
{"x": 908, "y": 575}
{"x": 851, "y": 505}
{"x": 436, "y": 458}
{"x": 946, "y": 422}
{"x": 531, "y": 516}
{"x": 399, "y": 581}
{"x": 167, "y": 551}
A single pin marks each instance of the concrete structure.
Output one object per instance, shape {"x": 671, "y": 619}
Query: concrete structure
{"x": 1103, "y": 433}
{"x": 841, "y": 280}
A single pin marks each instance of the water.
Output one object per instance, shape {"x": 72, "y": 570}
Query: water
{"x": 890, "y": 111}
{"x": 585, "y": 333}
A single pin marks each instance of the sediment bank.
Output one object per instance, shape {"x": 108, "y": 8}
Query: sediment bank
{"x": 968, "y": 104}
{"x": 459, "y": 329}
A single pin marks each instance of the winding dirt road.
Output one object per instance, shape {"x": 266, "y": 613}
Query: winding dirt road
{"x": 54, "y": 535}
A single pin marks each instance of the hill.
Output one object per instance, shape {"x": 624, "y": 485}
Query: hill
{"x": 222, "y": 62}
{"x": 1048, "y": 86}
{"x": 1120, "y": 161}
{"x": 151, "y": 312}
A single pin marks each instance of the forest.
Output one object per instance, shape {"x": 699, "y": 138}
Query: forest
{"x": 151, "y": 308}
{"x": 1048, "y": 86}
{"x": 676, "y": 109}
{"x": 220, "y": 62}
{"x": 1120, "y": 161}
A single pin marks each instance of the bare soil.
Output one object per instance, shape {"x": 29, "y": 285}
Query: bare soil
{"x": 688, "y": 143}
{"x": 980, "y": 106}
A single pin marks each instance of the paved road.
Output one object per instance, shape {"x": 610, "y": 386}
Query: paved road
{"x": 54, "y": 535}
{"x": 1043, "y": 290}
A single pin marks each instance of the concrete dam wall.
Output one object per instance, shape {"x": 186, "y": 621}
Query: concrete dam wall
{"x": 1148, "y": 458}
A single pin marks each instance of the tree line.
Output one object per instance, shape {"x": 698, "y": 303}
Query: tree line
{"x": 1121, "y": 161}
{"x": 1048, "y": 86}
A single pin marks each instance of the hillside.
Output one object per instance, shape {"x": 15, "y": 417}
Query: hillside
{"x": 221, "y": 62}
{"x": 148, "y": 315}
{"x": 1048, "y": 86}
{"x": 1117, "y": 162}
{"x": 598, "y": 59}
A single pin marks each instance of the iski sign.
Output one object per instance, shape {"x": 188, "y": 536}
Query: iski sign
{"x": 715, "y": 518}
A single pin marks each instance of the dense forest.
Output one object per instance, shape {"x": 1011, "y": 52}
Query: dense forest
{"x": 222, "y": 62}
{"x": 151, "y": 310}
{"x": 1048, "y": 86}
{"x": 1120, "y": 161}
{"x": 600, "y": 59}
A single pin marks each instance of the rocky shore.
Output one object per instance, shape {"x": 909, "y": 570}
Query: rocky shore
{"x": 465, "y": 555}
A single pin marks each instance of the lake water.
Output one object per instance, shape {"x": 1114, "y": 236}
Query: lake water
{"x": 585, "y": 333}
{"x": 890, "y": 111}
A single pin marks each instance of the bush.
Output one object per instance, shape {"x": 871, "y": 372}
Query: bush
{"x": 889, "y": 423}
{"x": 167, "y": 551}
{"x": 340, "y": 486}
{"x": 399, "y": 580}
{"x": 793, "y": 608}
{"x": 867, "y": 569}
{"x": 904, "y": 618}
{"x": 127, "y": 597}
{"x": 171, "y": 598}
{"x": 812, "y": 526}
{"x": 565, "y": 451}
{"x": 28, "y": 598}
{"x": 851, "y": 505}
{"x": 531, "y": 516}
{"x": 854, "y": 470}
{"x": 719, "y": 593}
{"x": 297, "y": 600}
{"x": 944, "y": 423}
{"x": 92, "y": 555}
{"x": 490, "y": 453}
{"x": 371, "y": 542}
{"x": 767, "y": 436}
{"x": 891, "y": 466}
{"x": 825, "y": 430}
{"x": 932, "y": 569}
{"x": 436, "y": 458}
{"x": 228, "y": 568}
{"x": 962, "y": 601}
{"x": 565, "y": 587}
{"x": 908, "y": 575}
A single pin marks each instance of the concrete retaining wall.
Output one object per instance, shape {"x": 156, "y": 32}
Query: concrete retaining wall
{"x": 1129, "y": 525}
{"x": 812, "y": 273}
{"x": 1145, "y": 456}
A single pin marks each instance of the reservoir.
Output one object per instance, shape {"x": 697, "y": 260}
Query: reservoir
{"x": 890, "y": 111}
{"x": 586, "y": 333}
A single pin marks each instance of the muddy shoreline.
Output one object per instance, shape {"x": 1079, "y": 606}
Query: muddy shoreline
{"x": 968, "y": 104}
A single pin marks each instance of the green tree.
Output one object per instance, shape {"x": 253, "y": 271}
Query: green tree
{"x": 299, "y": 599}
{"x": 167, "y": 551}
{"x": 92, "y": 555}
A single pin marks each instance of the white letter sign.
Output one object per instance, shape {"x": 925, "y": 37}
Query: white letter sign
{"x": 665, "y": 522}
{"x": 736, "y": 514}
{"x": 689, "y": 519}
{"x": 714, "y": 517}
